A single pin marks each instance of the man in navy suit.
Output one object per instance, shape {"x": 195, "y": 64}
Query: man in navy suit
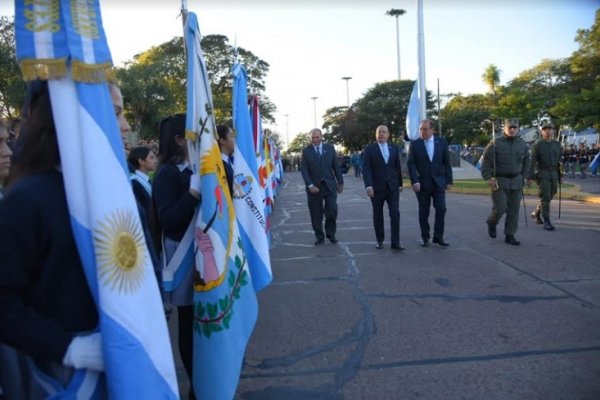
{"x": 430, "y": 175}
{"x": 324, "y": 180}
{"x": 382, "y": 175}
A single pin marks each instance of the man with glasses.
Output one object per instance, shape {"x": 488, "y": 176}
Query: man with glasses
{"x": 504, "y": 167}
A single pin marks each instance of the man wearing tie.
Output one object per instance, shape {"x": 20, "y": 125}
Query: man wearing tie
{"x": 324, "y": 180}
{"x": 382, "y": 175}
{"x": 430, "y": 175}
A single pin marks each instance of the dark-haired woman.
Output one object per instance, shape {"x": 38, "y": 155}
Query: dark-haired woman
{"x": 46, "y": 308}
{"x": 176, "y": 195}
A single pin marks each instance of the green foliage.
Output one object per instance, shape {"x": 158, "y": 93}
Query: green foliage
{"x": 384, "y": 104}
{"x": 585, "y": 62}
{"x": 298, "y": 143}
{"x": 12, "y": 87}
{"x": 491, "y": 77}
{"x": 154, "y": 82}
{"x": 464, "y": 119}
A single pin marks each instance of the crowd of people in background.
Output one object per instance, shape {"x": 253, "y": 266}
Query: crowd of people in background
{"x": 576, "y": 159}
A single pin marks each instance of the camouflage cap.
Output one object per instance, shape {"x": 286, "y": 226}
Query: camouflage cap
{"x": 511, "y": 122}
{"x": 547, "y": 125}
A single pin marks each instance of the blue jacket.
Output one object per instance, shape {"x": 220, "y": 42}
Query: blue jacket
{"x": 379, "y": 175}
{"x": 437, "y": 172}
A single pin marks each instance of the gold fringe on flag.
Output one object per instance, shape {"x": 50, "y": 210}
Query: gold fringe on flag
{"x": 51, "y": 68}
{"x": 93, "y": 73}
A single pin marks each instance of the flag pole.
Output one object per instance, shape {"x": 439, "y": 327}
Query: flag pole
{"x": 421, "y": 54}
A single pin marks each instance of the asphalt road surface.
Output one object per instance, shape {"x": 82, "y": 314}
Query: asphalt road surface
{"x": 480, "y": 319}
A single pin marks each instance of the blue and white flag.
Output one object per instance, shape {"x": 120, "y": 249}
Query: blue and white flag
{"x": 413, "y": 117}
{"x": 64, "y": 41}
{"x": 247, "y": 196}
{"x": 225, "y": 306}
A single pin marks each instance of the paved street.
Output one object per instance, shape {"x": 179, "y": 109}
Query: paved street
{"x": 478, "y": 320}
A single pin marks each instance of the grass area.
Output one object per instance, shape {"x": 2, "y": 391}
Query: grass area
{"x": 479, "y": 186}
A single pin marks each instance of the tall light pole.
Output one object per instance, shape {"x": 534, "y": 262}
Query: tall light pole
{"x": 347, "y": 78}
{"x": 287, "y": 131}
{"x": 394, "y": 12}
{"x": 314, "y": 99}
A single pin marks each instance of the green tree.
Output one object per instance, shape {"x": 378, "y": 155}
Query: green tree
{"x": 465, "y": 119}
{"x": 585, "y": 61}
{"x": 12, "y": 87}
{"x": 299, "y": 142}
{"x": 491, "y": 77}
{"x": 384, "y": 104}
{"x": 154, "y": 82}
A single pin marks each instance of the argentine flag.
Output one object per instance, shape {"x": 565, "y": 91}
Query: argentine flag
{"x": 413, "y": 115}
{"x": 65, "y": 42}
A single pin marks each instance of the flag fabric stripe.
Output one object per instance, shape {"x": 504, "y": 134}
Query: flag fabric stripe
{"x": 247, "y": 195}
{"x": 413, "y": 114}
{"x": 225, "y": 306}
{"x": 138, "y": 361}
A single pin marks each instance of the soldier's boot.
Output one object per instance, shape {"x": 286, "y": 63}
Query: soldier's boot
{"x": 548, "y": 225}
{"x": 536, "y": 215}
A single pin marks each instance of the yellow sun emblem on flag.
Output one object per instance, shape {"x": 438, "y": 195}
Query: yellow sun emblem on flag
{"x": 120, "y": 251}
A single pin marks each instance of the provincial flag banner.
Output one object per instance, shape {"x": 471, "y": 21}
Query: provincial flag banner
{"x": 225, "y": 305}
{"x": 247, "y": 194}
{"x": 63, "y": 41}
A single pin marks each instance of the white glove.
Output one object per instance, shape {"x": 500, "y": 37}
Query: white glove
{"x": 85, "y": 352}
{"x": 195, "y": 182}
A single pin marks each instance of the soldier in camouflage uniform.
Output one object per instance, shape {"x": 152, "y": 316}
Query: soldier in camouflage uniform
{"x": 545, "y": 169}
{"x": 505, "y": 165}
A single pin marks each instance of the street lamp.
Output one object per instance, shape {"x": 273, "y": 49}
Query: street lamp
{"x": 314, "y": 99}
{"x": 347, "y": 78}
{"x": 287, "y": 131}
{"x": 394, "y": 12}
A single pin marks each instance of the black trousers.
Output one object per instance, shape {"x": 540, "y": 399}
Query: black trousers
{"x": 392, "y": 198}
{"x": 425, "y": 197}
{"x": 322, "y": 204}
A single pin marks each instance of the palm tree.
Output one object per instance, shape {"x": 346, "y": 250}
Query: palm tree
{"x": 491, "y": 77}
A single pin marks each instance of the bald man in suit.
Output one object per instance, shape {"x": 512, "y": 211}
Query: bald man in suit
{"x": 324, "y": 180}
{"x": 382, "y": 175}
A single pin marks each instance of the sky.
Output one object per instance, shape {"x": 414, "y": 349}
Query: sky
{"x": 311, "y": 45}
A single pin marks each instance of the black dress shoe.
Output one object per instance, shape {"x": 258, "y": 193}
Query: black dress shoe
{"x": 492, "y": 230}
{"x": 441, "y": 242}
{"x": 379, "y": 245}
{"x": 548, "y": 225}
{"x": 319, "y": 242}
{"x": 332, "y": 239}
{"x": 510, "y": 239}
{"x": 425, "y": 242}
{"x": 397, "y": 247}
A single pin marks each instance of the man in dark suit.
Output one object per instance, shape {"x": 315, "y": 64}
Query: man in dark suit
{"x": 382, "y": 175}
{"x": 430, "y": 175}
{"x": 324, "y": 180}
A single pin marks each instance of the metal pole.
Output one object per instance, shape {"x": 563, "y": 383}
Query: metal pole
{"x": 421, "y": 54}
{"x": 347, "y": 78}
{"x": 398, "y": 44}
{"x": 287, "y": 131}
{"x": 439, "y": 110}
{"x": 314, "y": 99}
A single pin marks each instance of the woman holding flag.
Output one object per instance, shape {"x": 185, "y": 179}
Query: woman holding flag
{"x": 176, "y": 194}
{"x": 46, "y": 308}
